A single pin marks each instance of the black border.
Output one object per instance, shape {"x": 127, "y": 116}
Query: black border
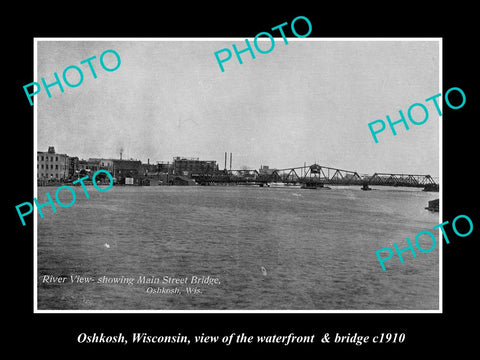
{"x": 426, "y": 333}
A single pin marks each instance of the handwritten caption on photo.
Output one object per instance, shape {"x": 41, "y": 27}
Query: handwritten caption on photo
{"x": 151, "y": 284}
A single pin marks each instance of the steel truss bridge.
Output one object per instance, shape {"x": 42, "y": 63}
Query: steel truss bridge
{"x": 315, "y": 174}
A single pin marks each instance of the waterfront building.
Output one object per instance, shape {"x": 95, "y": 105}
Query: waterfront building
{"x": 148, "y": 168}
{"x": 182, "y": 181}
{"x": 52, "y": 165}
{"x": 193, "y": 166}
{"x": 82, "y": 166}
{"x": 265, "y": 170}
{"x": 126, "y": 168}
{"x": 88, "y": 166}
{"x": 72, "y": 166}
{"x": 118, "y": 168}
{"x": 101, "y": 164}
{"x": 165, "y": 167}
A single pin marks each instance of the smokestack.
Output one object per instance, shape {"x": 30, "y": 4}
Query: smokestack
{"x": 148, "y": 161}
{"x": 225, "y": 161}
{"x": 121, "y": 152}
{"x": 230, "y": 161}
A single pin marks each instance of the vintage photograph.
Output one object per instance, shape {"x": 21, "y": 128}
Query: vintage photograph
{"x": 170, "y": 178}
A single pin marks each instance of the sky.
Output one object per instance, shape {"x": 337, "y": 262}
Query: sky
{"x": 306, "y": 101}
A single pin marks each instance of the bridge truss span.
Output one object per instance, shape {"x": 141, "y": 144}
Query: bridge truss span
{"x": 401, "y": 180}
{"x": 317, "y": 174}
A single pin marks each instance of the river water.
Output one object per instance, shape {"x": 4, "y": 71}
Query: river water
{"x": 261, "y": 248}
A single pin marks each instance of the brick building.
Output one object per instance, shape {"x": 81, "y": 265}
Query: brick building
{"x": 52, "y": 166}
{"x": 193, "y": 166}
{"x": 126, "y": 168}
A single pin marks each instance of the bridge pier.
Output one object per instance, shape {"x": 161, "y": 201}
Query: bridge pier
{"x": 366, "y": 187}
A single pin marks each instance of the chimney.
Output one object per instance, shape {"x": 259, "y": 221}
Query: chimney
{"x": 230, "y": 161}
{"x": 148, "y": 161}
{"x": 225, "y": 160}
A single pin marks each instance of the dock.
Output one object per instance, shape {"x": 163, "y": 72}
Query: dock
{"x": 433, "y": 205}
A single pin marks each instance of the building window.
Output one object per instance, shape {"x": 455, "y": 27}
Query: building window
{"x": 38, "y": 166}
{"x": 51, "y": 158}
{"x": 56, "y": 158}
{"x": 42, "y": 158}
{"x": 42, "y": 166}
{"x": 56, "y": 175}
{"x": 56, "y": 167}
{"x": 51, "y": 167}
